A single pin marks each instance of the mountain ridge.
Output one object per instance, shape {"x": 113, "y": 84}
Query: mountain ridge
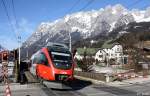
{"x": 83, "y": 25}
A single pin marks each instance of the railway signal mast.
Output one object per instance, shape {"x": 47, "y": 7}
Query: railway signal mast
{"x": 19, "y": 51}
{"x": 70, "y": 42}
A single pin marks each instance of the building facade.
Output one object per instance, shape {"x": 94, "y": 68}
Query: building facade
{"x": 113, "y": 53}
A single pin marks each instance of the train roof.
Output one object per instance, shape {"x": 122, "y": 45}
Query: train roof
{"x": 57, "y": 47}
{"x": 51, "y": 44}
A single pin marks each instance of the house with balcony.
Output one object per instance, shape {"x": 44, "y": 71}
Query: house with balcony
{"x": 112, "y": 53}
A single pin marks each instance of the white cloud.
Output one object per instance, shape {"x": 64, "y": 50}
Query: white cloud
{"x": 9, "y": 43}
{"x": 25, "y": 28}
{"x": 8, "y": 39}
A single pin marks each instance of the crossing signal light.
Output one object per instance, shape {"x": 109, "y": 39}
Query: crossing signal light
{"x": 5, "y": 56}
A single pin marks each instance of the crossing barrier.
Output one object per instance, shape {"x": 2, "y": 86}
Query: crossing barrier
{"x": 127, "y": 75}
{"x": 7, "y": 91}
{"x": 5, "y": 78}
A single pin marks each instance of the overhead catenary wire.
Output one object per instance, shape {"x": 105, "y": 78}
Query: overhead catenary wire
{"x": 90, "y": 2}
{"x": 8, "y": 17}
{"x": 70, "y": 10}
{"x": 134, "y": 3}
{"x": 16, "y": 24}
{"x": 84, "y": 7}
{"x": 14, "y": 13}
{"x": 17, "y": 33}
{"x": 13, "y": 26}
{"x": 74, "y": 5}
{"x": 145, "y": 6}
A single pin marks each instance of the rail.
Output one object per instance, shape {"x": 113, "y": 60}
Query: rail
{"x": 30, "y": 77}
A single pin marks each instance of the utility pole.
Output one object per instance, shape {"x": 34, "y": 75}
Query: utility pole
{"x": 19, "y": 45}
{"x": 70, "y": 47}
{"x": 70, "y": 44}
{"x": 27, "y": 53}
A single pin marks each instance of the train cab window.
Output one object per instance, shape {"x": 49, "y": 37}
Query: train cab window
{"x": 43, "y": 59}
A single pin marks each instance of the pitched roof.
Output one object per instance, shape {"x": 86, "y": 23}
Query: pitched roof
{"x": 108, "y": 44}
{"x": 89, "y": 51}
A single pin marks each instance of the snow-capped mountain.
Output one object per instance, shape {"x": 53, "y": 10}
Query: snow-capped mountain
{"x": 82, "y": 25}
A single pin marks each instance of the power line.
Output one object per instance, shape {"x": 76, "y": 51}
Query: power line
{"x": 134, "y": 3}
{"x": 16, "y": 22}
{"x": 145, "y": 6}
{"x": 8, "y": 17}
{"x": 75, "y": 4}
{"x": 89, "y": 3}
{"x": 17, "y": 33}
{"x": 13, "y": 9}
{"x": 13, "y": 27}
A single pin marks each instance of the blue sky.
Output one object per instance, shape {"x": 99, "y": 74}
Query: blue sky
{"x": 30, "y": 13}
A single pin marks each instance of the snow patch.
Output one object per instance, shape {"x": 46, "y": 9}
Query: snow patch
{"x": 112, "y": 26}
{"x": 144, "y": 20}
{"x": 138, "y": 15}
{"x": 79, "y": 29}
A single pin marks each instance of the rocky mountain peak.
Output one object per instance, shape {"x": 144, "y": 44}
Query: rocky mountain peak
{"x": 86, "y": 24}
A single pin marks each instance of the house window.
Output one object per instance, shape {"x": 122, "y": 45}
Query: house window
{"x": 100, "y": 56}
{"x": 118, "y": 49}
{"x": 125, "y": 60}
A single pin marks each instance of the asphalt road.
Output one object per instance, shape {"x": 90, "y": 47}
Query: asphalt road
{"x": 86, "y": 88}
{"x": 23, "y": 90}
{"x": 142, "y": 89}
{"x": 77, "y": 88}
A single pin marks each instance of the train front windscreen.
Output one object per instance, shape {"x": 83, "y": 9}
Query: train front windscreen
{"x": 61, "y": 58}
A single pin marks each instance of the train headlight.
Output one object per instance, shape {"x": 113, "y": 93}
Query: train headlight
{"x": 56, "y": 64}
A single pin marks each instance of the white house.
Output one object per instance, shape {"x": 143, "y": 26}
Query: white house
{"x": 100, "y": 55}
{"x": 113, "y": 51}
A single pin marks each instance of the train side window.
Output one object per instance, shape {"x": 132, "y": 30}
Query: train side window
{"x": 36, "y": 60}
{"x": 43, "y": 59}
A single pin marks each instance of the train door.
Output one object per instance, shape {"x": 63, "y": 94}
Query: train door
{"x": 44, "y": 69}
{"x": 34, "y": 63}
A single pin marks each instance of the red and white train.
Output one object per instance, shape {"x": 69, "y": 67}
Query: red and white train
{"x": 53, "y": 63}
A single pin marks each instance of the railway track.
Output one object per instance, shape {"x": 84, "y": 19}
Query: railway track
{"x": 59, "y": 89}
{"x": 63, "y": 89}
